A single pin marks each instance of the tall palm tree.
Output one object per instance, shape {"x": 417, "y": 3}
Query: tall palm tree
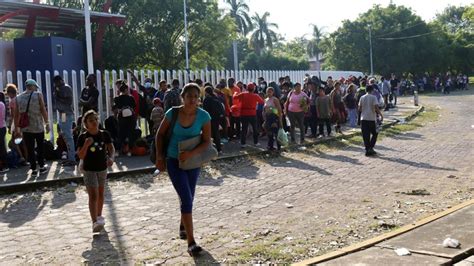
{"x": 314, "y": 45}
{"x": 263, "y": 35}
{"x": 239, "y": 12}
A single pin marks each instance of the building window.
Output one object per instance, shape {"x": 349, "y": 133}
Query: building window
{"x": 59, "y": 49}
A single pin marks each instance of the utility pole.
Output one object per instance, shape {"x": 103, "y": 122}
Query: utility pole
{"x": 236, "y": 60}
{"x": 87, "y": 18}
{"x": 370, "y": 43}
{"x": 186, "y": 35}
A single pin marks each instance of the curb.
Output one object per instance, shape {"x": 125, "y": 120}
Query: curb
{"x": 16, "y": 187}
{"x": 371, "y": 242}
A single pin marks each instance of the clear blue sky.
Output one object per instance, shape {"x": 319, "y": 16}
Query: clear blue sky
{"x": 294, "y": 16}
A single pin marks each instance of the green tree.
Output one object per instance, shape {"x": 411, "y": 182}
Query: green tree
{"x": 263, "y": 35}
{"x": 268, "y": 61}
{"x": 392, "y": 50}
{"x": 314, "y": 47}
{"x": 153, "y": 35}
{"x": 239, "y": 12}
{"x": 455, "y": 39}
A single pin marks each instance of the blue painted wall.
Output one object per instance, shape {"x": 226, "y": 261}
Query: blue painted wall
{"x": 40, "y": 53}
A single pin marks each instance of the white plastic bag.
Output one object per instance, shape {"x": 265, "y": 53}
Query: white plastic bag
{"x": 282, "y": 137}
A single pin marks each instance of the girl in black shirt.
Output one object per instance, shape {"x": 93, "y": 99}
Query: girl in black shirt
{"x": 96, "y": 152}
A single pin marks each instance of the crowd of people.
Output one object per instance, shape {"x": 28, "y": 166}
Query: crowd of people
{"x": 217, "y": 113}
{"x": 315, "y": 108}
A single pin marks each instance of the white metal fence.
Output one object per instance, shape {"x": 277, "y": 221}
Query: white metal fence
{"x": 106, "y": 81}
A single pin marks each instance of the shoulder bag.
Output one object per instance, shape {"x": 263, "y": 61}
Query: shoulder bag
{"x": 169, "y": 132}
{"x": 24, "y": 118}
{"x": 199, "y": 159}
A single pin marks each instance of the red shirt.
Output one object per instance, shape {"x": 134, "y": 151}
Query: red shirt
{"x": 236, "y": 105}
{"x": 249, "y": 101}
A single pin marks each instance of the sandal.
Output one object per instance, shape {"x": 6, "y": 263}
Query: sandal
{"x": 194, "y": 249}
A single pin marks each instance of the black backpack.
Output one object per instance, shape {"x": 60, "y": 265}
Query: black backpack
{"x": 216, "y": 108}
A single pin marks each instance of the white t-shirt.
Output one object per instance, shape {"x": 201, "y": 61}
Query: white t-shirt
{"x": 367, "y": 103}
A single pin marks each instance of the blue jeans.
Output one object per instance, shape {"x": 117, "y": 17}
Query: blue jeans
{"x": 184, "y": 182}
{"x": 352, "y": 117}
{"x": 66, "y": 131}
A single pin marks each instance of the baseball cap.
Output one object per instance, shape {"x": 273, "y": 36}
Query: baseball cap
{"x": 31, "y": 82}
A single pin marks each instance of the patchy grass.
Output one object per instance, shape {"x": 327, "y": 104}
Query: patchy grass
{"x": 261, "y": 252}
{"x": 429, "y": 115}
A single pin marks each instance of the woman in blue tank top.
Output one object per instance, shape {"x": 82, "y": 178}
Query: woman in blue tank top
{"x": 190, "y": 121}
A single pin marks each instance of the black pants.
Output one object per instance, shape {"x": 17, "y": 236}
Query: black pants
{"x": 216, "y": 136}
{"x": 246, "y": 120}
{"x": 127, "y": 127}
{"x": 313, "y": 122}
{"x": 223, "y": 124}
{"x": 32, "y": 139}
{"x": 326, "y": 121}
{"x": 369, "y": 134}
{"x": 234, "y": 126}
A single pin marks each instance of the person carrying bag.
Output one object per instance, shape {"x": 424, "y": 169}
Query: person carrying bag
{"x": 182, "y": 152}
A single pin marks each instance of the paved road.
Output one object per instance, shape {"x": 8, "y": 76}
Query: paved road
{"x": 275, "y": 208}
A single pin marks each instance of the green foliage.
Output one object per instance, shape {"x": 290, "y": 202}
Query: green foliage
{"x": 239, "y": 12}
{"x": 268, "y": 61}
{"x": 153, "y": 34}
{"x": 402, "y": 42}
{"x": 263, "y": 36}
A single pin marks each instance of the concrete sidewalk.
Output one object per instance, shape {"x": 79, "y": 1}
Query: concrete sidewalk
{"x": 424, "y": 243}
{"x": 17, "y": 179}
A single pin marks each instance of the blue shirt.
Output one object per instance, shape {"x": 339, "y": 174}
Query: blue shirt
{"x": 181, "y": 133}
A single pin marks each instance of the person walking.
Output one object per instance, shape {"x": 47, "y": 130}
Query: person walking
{"x": 369, "y": 109}
{"x": 188, "y": 121}
{"x": 64, "y": 105}
{"x": 248, "y": 113}
{"x": 295, "y": 108}
{"x": 31, "y": 120}
{"x": 96, "y": 150}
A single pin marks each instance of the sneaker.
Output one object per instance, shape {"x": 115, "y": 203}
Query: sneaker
{"x": 224, "y": 140}
{"x": 257, "y": 144}
{"x": 34, "y": 172}
{"x": 4, "y": 170}
{"x": 43, "y": 169}
{"x": 243, "y": 146}
{"x": 96, "y": 227}
{"x": 129, "y": 154}
{"x": 101, "y": 220}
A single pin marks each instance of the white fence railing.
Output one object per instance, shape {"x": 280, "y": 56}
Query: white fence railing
{"x": 106, "y": 81}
